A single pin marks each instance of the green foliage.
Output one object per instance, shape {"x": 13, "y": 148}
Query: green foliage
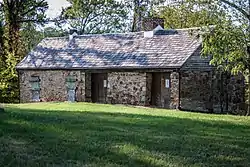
{"x": 229, "y": 41}
{"x": 141, "y": 9}
{"x": 17, "y": 38}
{"x": 30, "y": 36}
{"x": 95, "y": 16}
{"x": 186, "y": 14}
{"x": 53, "y": 32}
{"x": 227, "y": 47}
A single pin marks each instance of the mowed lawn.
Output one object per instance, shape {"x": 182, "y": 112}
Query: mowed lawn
{"x": 90, "y": 135}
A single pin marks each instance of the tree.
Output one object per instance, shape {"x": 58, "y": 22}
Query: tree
{"x": 54, "y": 32}
{"x": 186, "y": 14}
{"x": 15, "y": 14}
{"x": 141, "y": 9}
{"x": 30, "y": 36}
{"x": 95, "y": 16}
{"x": 229, "y": 41}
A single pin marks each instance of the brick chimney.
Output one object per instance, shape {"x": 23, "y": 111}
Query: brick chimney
{"x": 148, "y": 24}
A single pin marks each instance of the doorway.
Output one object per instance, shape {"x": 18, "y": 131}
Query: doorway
{"x": 156, "y": 90}
{"x": 160, "y": 91}
{"x": 98, "y": 87}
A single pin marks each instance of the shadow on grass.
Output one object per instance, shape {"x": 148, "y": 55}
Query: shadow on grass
{"x": 59, "y": 138}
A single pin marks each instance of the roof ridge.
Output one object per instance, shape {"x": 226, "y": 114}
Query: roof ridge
{"x": 194, "y": 28}
{"x": 190, "y": 28}
{"x": 87, "y": 35}
{"x": 50, "y": 38}
{"x": 123, "y": 33}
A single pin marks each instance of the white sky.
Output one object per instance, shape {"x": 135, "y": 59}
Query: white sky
{"x": 55, "y": 7}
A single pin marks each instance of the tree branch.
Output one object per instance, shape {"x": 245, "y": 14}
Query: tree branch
{"x": 33, "y": 8}
{"x": 238, "y": 8}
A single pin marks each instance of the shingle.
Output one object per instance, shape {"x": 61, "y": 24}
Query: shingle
{"x": 132, "y": 50}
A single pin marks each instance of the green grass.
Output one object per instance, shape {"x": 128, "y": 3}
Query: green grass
{"x": 81, "y": 134}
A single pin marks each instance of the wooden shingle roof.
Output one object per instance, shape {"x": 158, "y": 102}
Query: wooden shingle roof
{"x": 166, "y": 49}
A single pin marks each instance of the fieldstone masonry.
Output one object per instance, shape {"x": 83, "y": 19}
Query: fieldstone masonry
{"x": 127, "y": 88}
{"x": 195, "y": 90}
{"x": 174, "y": 102}
{"x": 189, "y": 90}
{"x": 205, "y": 91}
{"x": 88, "y": 87}
{"x": 53, "y": 85}
{"x": 149, "y": 87}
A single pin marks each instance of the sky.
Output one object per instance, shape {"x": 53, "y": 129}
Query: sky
{"x": 55, "y": 7}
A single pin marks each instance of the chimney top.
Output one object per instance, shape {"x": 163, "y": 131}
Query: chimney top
{"x": 150, "y": 24}
{"x": 72, "y": 31}
{"x": 72, "y": 34}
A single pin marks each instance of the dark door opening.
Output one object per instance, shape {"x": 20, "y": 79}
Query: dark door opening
{"x": 165, "y": 92}
{"x": 156, "y": 89}
{"x": 98, "y": 87}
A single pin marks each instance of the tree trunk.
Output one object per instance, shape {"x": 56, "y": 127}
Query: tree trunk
{"x": 248, "y": 59}
{"x": 134, "y": 23}
{"x": 221, "y": 92}
{"x": 248, "y": 103}
{"x": 226, "y": 91}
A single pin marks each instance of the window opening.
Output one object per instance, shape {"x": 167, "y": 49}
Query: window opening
{"x": 71, "y": 86}
{"x": 35, "y": 88}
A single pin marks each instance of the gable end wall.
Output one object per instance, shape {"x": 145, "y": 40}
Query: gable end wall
{"x": 196, "y": 62}
{"x": 206, "y": 91}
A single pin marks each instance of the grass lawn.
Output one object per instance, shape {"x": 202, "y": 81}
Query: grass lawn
{"x": 90, "y": 135}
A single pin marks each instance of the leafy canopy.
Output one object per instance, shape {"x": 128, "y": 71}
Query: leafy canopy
{"x": 95, "y": 16}
{"x": 186, "y": 14}
{"x": 16, "y": 16}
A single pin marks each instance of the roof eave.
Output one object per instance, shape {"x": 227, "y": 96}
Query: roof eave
{"x": 96, "y": 68}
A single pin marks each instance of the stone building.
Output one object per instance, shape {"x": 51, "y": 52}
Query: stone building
{"x": 161, "y": 68}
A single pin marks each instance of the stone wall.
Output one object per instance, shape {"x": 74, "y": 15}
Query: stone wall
{"x": 208, "y": 92}
{"x": 149, "y": 87}
{"x": 199, "y": 90}
{"x": 195, "y": 90}
{"x": 127, "y": 88}
{"x": 174, "y": 89}
{"x": 236, "y": 98}
{"x": 88, "y": 87}
{"x": 80, "y": 85}
{"x": 228, "y": 92}
{"x": 52, "y": 85}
